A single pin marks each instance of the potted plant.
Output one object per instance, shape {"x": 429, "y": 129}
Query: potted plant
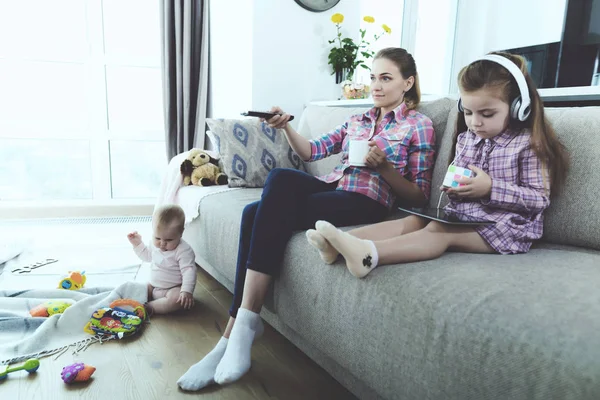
{"x": 344, "y": 55}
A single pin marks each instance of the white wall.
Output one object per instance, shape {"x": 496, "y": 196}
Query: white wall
{"x": 290, "y": 53}
{"x": 274, "y": 52}
{"x": 230, "y": 80}
{"x": 485, "y": 26}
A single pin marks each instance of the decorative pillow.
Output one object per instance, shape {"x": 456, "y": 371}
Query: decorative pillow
{"x": 250, "y": 149}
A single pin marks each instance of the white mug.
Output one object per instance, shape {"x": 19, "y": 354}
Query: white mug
{"x": 357, "y": 152}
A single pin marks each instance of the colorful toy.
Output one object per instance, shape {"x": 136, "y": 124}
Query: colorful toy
{"x": 454, "y": 174}
{"x": 78, "y": 372}
{"x": 74, "y": 281}
{"x": 30, "y": 366}
{"x": 115, "y": 321}
{"x": 49, "y": 308}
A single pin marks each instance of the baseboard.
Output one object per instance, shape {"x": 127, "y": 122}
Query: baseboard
{"x": 39, "y": 211}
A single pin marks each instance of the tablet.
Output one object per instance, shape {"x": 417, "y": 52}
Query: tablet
{"x": 446, "y": 217}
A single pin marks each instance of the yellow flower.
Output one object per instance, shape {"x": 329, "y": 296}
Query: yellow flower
{"x": 337, "y": 18}
{"x": 369, "y": 19}
{"x": 386, "y": 28}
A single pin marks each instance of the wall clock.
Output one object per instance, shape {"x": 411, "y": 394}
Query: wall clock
{"x": 317, "y": 5}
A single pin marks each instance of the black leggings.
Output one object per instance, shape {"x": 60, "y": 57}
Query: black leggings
{"x": 293, "y": 200}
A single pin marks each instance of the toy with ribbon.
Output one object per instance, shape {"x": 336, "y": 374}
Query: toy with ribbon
{"x": 122, "y": 318}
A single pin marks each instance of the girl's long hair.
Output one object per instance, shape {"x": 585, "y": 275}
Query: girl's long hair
{"x": 544, "y": 142}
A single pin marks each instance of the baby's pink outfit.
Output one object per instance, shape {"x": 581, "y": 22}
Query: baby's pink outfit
{"x": 172, "y": 268}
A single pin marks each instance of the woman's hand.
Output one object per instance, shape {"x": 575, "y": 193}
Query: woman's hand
{"x": 376, "y": 158}
{"x": 278, "y": 121}
{"x": 478, "y": 187}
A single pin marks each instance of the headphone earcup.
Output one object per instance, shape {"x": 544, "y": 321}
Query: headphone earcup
{"x": 515, "y": 107}
{"x": 459, "y": 105}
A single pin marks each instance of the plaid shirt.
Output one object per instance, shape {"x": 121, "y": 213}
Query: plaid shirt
{"x": 518, "y": 197}
{"x": 407, "y": 139}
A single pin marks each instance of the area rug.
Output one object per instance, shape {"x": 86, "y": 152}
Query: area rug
{"x": 23, "y": 336}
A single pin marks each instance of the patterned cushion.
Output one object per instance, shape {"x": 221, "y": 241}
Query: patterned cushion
{"x": 250, "y": 149}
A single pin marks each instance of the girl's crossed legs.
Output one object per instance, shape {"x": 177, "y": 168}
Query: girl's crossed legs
{"x": 399, "y": 241}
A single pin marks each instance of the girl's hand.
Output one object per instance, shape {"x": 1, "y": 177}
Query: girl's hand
{"x": 478, "y": 187}
{"x": 278, "y": 121}
{"x": 186, "y": 300}
{"x": 134, "y": 238}
{"x": 376, "y": 158}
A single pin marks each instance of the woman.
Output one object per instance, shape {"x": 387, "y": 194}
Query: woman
{"x": 399, "y": 165}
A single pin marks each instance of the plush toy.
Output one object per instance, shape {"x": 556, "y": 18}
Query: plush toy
{"x": 201, "y": 169}
{"x": 49, "y": 308}
{"x": 78, "y": 372}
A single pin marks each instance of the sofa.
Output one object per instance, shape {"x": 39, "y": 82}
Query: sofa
{"x": 464, "y": 326}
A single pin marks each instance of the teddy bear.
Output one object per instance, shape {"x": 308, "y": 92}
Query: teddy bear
{"x": 202, "y": 170}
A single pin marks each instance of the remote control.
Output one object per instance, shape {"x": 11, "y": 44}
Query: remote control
{"x": 262, "y": 114}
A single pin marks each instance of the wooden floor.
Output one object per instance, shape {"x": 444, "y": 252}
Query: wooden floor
{"x": 147, "y": 367}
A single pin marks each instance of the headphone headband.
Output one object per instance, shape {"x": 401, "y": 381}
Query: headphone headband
{"x": 520, "y": 109}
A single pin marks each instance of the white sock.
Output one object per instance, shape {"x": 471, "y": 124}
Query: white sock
{"x": 326, "y": 250}
{"x": 202, "y": 373}
{"x": 361, "y": 255}
{"x": 236, "y": 360}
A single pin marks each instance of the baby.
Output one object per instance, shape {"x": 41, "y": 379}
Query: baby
{"x": 173, "y": 268}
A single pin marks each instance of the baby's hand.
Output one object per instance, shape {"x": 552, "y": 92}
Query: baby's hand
{"x": 186, "y": 300}
{"x": 134, "y": 238}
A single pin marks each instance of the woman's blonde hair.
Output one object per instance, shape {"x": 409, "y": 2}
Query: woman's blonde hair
{"x": 407, "y": 67}
{"x": 484, "y": 74}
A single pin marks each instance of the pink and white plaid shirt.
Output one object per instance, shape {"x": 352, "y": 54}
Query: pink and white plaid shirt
{"x": 518, "y": 197}
{"x": 406, "y": 137}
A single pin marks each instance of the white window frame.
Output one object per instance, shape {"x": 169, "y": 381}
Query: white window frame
{"x": 99, "y": 133}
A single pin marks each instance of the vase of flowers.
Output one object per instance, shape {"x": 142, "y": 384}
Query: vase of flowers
{"x": 346, "y": 56}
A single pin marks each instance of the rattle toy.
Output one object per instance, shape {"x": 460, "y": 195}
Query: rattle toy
{"x": 74, "y": 281}
{"x": 30, "y": 366}
{"x": 78, "y": 372}
{"x": 454, "y": 174}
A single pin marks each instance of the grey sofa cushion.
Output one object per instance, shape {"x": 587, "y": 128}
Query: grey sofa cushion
{"x": 574, "y": 216}
{"x": 443, "y": 157}
{"x": 317, "y": 121}
{"x": 464, "y": 326}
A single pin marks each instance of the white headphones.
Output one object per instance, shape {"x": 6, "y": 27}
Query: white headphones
{"x": 520, "y": 107}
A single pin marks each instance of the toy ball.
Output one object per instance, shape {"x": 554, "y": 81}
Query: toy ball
{"x": 74, "y": 281}
{"x": 49, "y": 308}
{"x": 78, "y": 372}
{"x": 30, "y": 366}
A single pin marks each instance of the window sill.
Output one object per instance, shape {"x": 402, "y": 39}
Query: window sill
{"x": 80, "y": 208}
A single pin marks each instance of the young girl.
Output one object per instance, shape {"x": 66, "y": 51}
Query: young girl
{"x": 515, "y": 154}
{"x": 399, "y": 164}
{"x": 173, "y": 268}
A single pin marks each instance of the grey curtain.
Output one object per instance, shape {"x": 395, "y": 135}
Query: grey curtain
{"x": 184, "y": 30}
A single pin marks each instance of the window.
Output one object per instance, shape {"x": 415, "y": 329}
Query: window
{"x": 434, "y": 43}
{"x": 81, "y": 113}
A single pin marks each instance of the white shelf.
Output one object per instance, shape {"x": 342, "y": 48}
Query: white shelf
{"x": 578, "y": 93}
